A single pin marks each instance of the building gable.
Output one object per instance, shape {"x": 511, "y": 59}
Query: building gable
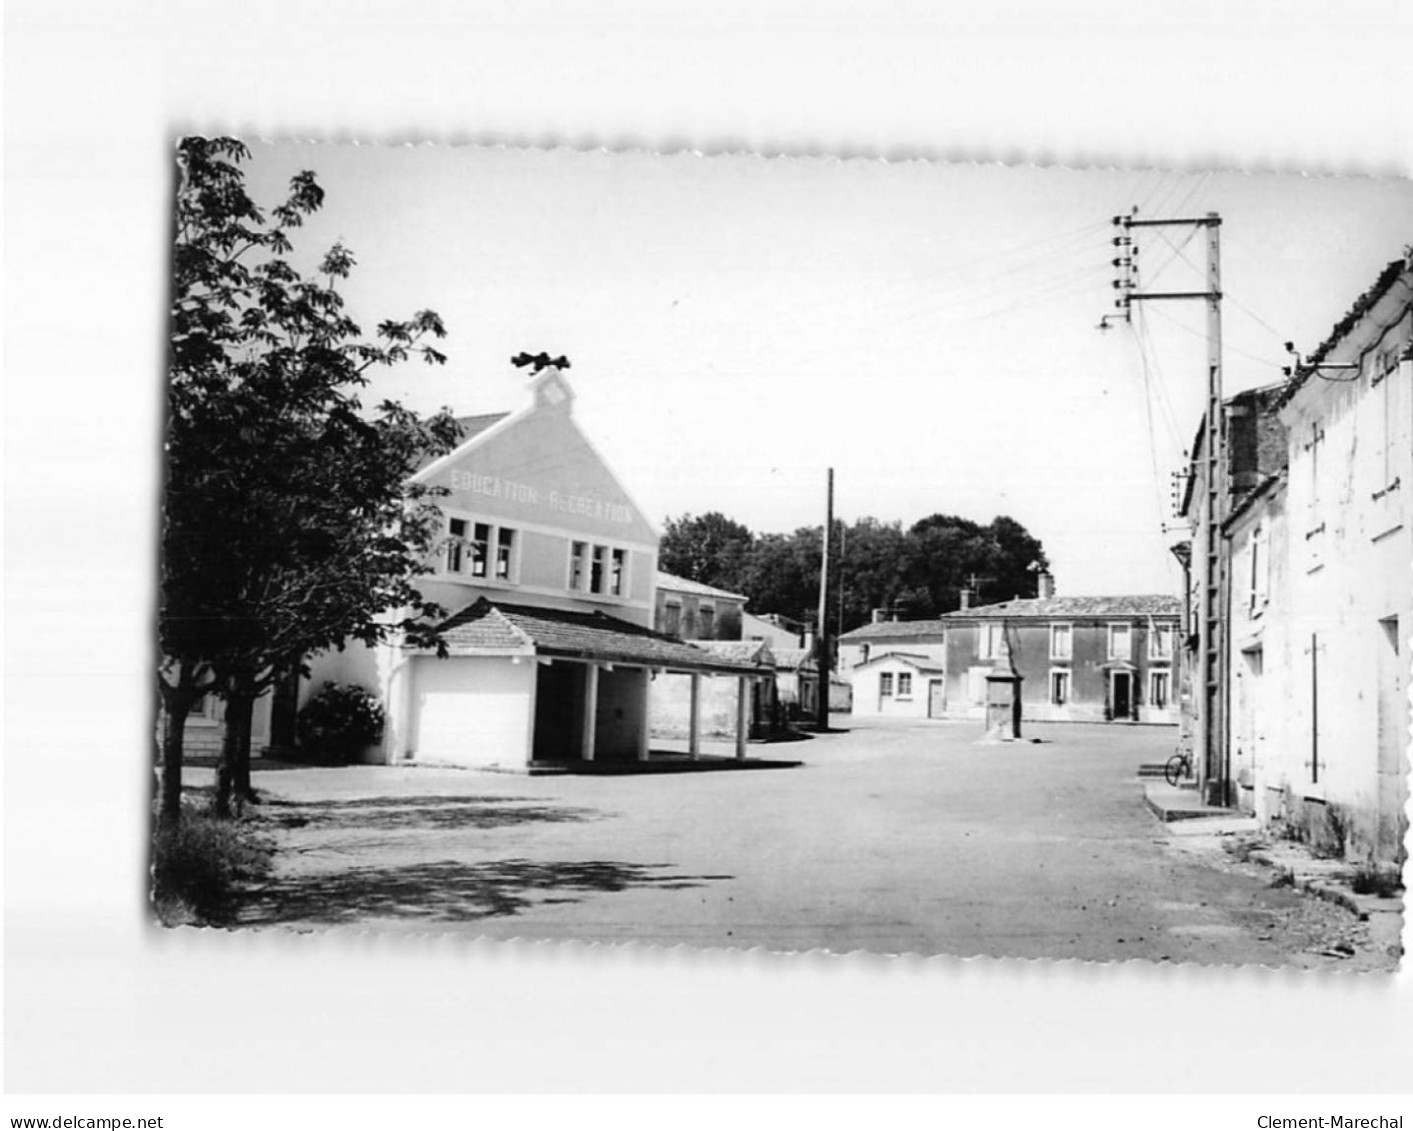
{"x": 537, "y": 468}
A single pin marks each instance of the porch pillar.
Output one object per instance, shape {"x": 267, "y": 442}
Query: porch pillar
{"x": 694, "y": 722}
{"x": 643, "y": 728}
{"x": 743, "y": 713}
{"x": 591, "y": 711}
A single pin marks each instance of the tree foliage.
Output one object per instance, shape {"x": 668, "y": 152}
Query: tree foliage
{"x": 916, "y": 573}
{"x": 709, "y": 548}
{"x": 289, "y": 524}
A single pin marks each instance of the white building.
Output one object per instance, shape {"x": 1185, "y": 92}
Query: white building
{"x": 1328, "y": 597}
{"x": 549, "y": 567}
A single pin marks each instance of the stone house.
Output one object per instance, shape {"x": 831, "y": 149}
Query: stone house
{"x": 1322, "y": 599}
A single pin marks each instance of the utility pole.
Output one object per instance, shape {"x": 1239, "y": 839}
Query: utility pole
{"x": 1212, "y": 691}
{"x": 822, "y": 636}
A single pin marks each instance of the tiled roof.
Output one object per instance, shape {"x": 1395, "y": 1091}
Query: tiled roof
{"x": 922, "y": 663}
{"x": 1390, "y": 275}
{"x": 792, "y": 658}
{"x": 1050, "y": 608}
{"x": 493, "y": 626}
{"x": 747, "y": 651}
{"x": 695, "y": 588}
{"x": 893, "y": 630}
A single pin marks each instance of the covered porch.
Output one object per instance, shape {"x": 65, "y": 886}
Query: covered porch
{"x": 553, "y": 690}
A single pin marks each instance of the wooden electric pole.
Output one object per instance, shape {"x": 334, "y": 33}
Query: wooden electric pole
{"x": 822, "y": 628}
{"x": 1211, "y": 692}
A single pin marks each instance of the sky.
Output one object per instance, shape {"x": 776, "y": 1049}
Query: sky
{"x": 738, "y": 324}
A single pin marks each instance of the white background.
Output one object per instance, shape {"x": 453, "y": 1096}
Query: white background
{"x": 95, "y": 95}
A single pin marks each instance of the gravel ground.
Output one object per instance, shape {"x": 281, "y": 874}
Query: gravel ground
{"x": 890, "y": 838}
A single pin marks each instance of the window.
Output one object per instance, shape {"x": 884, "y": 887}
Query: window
{"x": 1061, "y": 642}
{"x": 1159, "y": 687}
{"x": 1160, "y": 642}
{"x": 706, "y": 622}
{"x": 1120, "y": 641}
{"x": 1317, "y": 437}
{"x": 672, "y": 618}
{"x": 456, "y": 545}
{"x": 885, "y": 683}
{"x": 1394, "y": 419}
{"x": 578, "y": 563}
{"x": 1260, "y": 570}
{"x": 989, "y": 640}
{"x": 505, "y": 552}
{"x": 480, "y": 548}
{"x": 470, "y": 545}
{"x": 905, "y": 685}
{"x": 1059, "y": 688}
{"x": 596, "y": 568}
{"x": 617, "y": 572}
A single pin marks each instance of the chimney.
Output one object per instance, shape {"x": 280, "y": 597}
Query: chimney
{"x": 966, "y": 598}
{"x": 1045, "y": 584}
{"x": 876, "y": 616}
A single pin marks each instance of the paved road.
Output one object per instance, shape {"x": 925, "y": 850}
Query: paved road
{"x": 892, "y": 838}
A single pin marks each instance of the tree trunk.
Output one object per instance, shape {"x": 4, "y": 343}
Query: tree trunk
{"x": 235, "y": 749}
{"x": 177, "y": 702}
{"x": 173, "y": 730}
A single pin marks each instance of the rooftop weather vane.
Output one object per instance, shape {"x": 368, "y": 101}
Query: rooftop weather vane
{"x": 539, "y": 361}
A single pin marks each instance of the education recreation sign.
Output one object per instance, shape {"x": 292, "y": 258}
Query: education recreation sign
{"x": 563, "y": 502}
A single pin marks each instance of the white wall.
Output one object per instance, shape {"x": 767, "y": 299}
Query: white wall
{"x": 1347, "y": 570}
{"x": 471, "y": 710}
{"x": 868, "y": 701}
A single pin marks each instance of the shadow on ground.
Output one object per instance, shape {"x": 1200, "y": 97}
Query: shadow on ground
{"x": 447, "y": 891}
{"x": 413, "y": 813}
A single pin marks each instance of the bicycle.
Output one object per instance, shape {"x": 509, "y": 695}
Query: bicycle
{"x": 1178, "y": 768}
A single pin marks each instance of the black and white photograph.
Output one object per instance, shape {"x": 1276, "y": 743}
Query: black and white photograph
{"x": 798, "y": 553}
{"x": 707, "y": 564}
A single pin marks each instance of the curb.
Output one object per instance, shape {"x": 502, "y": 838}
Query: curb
{"x": 1331, "y": 894}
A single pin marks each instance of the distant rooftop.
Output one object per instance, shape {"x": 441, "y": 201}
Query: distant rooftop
{"x": 696, "y": 588}
{"x": 1050, "y": 608}
{"x": 893, "y": 630}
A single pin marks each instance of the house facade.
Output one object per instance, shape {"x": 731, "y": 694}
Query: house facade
{"x": 898, "y": 685}
{"x": 925, "y": 638}
{"x": 690, "y": 610}
{"x": 549, "y": 567}
{"x": 1254, "y": 449}
{"x": 776, "y": 630}
{"x": 1081, "y": 659}
{"x": 1322, "y": 598}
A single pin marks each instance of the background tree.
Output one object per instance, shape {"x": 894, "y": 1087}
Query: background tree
{"x": 709, "y": 548}
{"x": 916, "y": 573}
{"x": 289, "y": 525}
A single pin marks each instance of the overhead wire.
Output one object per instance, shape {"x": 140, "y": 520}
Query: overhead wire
{"x": 1148, "y": 414}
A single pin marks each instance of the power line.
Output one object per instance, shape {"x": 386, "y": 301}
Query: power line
{"x": 1227, "y": 346}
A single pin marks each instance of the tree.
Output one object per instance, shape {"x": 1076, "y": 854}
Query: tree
{"x": 710, "y": 548}
{"x": 289, "y": 524}
{"x": 781, "y": 574}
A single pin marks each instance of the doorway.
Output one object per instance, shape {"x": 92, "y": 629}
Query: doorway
{"x": 936, "y": 699}
{"x": 1121, "y": 695}
{"x": 559, "y": 713}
